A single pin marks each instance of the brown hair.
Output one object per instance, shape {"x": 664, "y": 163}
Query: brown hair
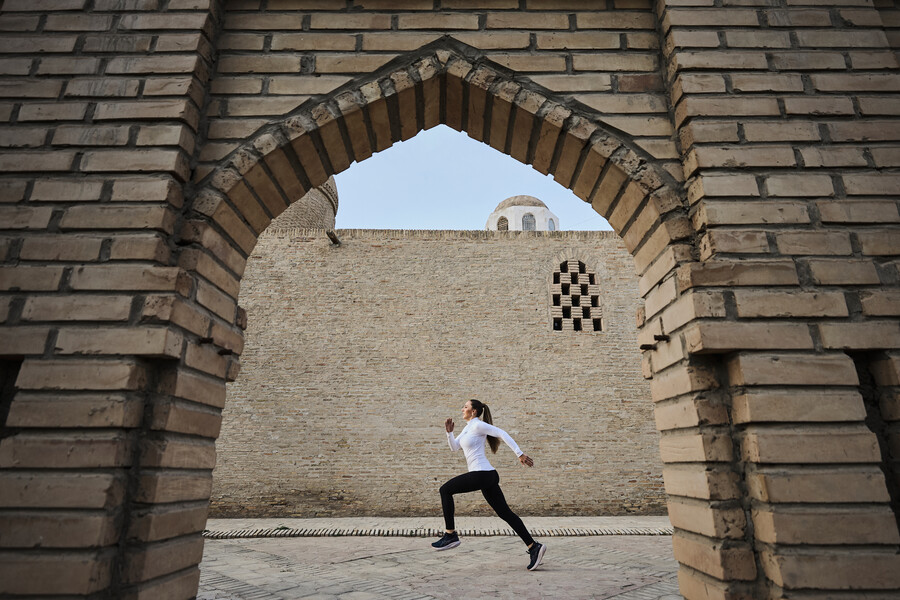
{"x": 484, "y": 413}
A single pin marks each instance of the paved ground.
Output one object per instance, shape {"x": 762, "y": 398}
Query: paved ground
{"x": 354, "y": 567}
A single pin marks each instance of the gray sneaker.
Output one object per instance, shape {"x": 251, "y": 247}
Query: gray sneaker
{"x": 536, "y": 553}
{"x": 450, "y": 540}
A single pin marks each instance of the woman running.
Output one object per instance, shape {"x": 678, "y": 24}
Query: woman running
{"x": 482, "y": 476}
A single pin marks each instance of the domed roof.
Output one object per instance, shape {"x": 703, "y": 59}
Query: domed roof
{"x": 520, "y": 201}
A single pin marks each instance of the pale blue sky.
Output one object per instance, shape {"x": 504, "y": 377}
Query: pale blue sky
{"x": 443, "y": 179}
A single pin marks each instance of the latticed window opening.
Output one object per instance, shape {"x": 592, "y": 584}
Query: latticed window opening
{"x": 575, "y": 298}
{"x": 528, "y": 222}
{"x": 502, "y": 224}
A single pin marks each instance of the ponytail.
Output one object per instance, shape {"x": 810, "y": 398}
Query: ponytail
{"x": 484, "y": 413}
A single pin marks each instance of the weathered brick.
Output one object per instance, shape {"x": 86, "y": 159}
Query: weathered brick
{"x": 24, "y": 340}
{"x": 791, "y": 369}
{"x": 712, "y": 556}
{"x": 837, "y": 571}
{"x": 797, "y": 406}
{"x": 55, "y": 530}
{"x": 353, "y": 21}
{"x": 164, "y": 486}
{"x": 858, "y": 211}
{"x": 860, "y": 336}
{"x": 721, "y": 337}
{"x": 698, "y": 481}
{"x": 31, "y": 410}
{"x": 60, "y": 490}
{"x": 818, "y": 485}
{"x": 137, "y": 161}
{"x": 140, "y": 341}
{"x": 130, "y": 277}
{"x": 822, "y": 526}
{"x": 160, "y": 523}
{"x": 770, "y": 303}
{"x": 811, "y": 446}
{"x": 158, "y": 218}
{"x": 27, "y": 450}
{"x": 843, "y": 271}
{"x": 30, "y": 278}
{"x": 61, "y": 248}
{"x": 814, "y": 242}
{"x": 79, "y": 573}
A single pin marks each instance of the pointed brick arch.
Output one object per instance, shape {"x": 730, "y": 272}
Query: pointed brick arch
{"x": 447, "y": 82}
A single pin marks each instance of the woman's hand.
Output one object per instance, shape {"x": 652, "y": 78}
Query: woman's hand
{"x": 449, "y": 425}
{"x": 526, "y": 460}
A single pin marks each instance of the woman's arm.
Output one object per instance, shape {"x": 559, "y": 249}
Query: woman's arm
{"x": 449, "y": 425}
{"x": 499, "y": 433}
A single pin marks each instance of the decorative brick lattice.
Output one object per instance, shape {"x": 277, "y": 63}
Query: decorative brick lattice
{"x": 575, "y": 298}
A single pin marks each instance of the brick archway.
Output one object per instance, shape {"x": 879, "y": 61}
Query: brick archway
{"x": 451, "y": 83}
{"x": 773, "y": 351}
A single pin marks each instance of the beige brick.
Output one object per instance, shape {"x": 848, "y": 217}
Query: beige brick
{"x": 578, "y": 40}
{"x": 24, "y": 340}
{"x": 53, "y": 111}
{"x": 159, "y": 218}
{"x": 117, "y": 43}
{"x": 172, "y": 486}
{"x": 90, "y": 135}
{"x": 714, "y": 557}
{"x": 693, "y": 481}
{"x": 860, "y": 336}
{"x": 30, "y": 278}
{"x": 236, "y": 21}
{"x": 757, "y": 303}
{"x": 879, "y": 242}
{"x": 159, "y": 523}
{"x": 156, "y": 64}
{"x": 757, "y": 39}
{"x": 139, "y": 247}
{"x": 727, "y": 241}
{"x": 777, "y": 131}
{"x": 721, "y": 337}
{"x": 107, "y": 86}
{"x": 27, "y": 450}
{"x": 55, "y": 530}
{"x": 76, "y": 308}
{"x": 80, "y": 573}
{"x": 791, "y": 369}
{"x": 818, "y": 485}
{"x": 724, "y": 60}
{"x": 80, "y": 375}
{"x": 700, "y": 17}
{"x": 812, "y": 446}
{"x": 813, "y": 106}
{"x": 350, "y": 63}
{"x": 829, "y": 38}
{"x": 744, "y": 273}
{"x": 61, "y": 248}
{"x": 130, "y": 277}
{"x": 822, "y": 526}
{"x": 352, "y": 21}
{"x": 814, "y": 242}
{"x": 738, "y": 157}
{"x": 833, "y": 157}
{"x": 873, "y": 570}
{"x": 843, "y": 271}
{"x": 763, "y": 406}
{"x": 144, "y": 341}
{"x": 495, "y": 40}
{"x": 16, "y": 217}
{"x": 398, "y": 41}
{"x": 305, "y": 85}
{"x": 701, "y": 518}
{"x": 314, "y": 41}
{"x": 575, "y": 83}
{"x": 678, "y": 447}
{"x": 526, "y": 20}
{"x": 72, "y": 65}
{"x": 880, "y": 303}
{"x": 36, "y": 44}
{"x": 525, "y": 63}
{"x": 162, "y": 558}
{"x": 868, "y": 130}
{"x": 171, "y": 161}
{"x": 858, "y": 211}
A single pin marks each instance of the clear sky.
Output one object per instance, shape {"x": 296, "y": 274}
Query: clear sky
{"x": 443, "y": 179}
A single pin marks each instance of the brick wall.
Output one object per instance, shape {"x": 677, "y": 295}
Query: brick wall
{"x": 770, "y": 280}
{"x": 311, "y": 425}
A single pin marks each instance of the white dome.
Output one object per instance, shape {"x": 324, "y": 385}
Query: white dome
{"x": 522, "y": 213}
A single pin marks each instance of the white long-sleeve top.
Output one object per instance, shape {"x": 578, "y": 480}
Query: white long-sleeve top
{"x": 472, "y": 440}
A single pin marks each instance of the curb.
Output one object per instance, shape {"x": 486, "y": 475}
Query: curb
{"x": 426, "y": 532}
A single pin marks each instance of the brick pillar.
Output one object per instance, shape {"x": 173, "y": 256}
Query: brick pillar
{"x": 789, "y": 147}
{"x": 108, "y": 435}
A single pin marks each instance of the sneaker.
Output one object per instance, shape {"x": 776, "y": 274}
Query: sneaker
{"x": 536, "y": 553}
{"x": 450, "y": 540}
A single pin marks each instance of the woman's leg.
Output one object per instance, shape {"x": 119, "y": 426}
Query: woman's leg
{"x": 461, "y": 484}
{"x": 494, "y": 496}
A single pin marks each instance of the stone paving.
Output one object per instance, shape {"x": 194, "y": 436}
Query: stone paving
{"x": 353, "y": 567}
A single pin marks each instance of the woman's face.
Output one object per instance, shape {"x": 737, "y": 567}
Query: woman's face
{"x": 468, "y": 412}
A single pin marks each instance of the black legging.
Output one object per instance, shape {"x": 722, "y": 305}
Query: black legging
{"x": 489, "y": 484}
